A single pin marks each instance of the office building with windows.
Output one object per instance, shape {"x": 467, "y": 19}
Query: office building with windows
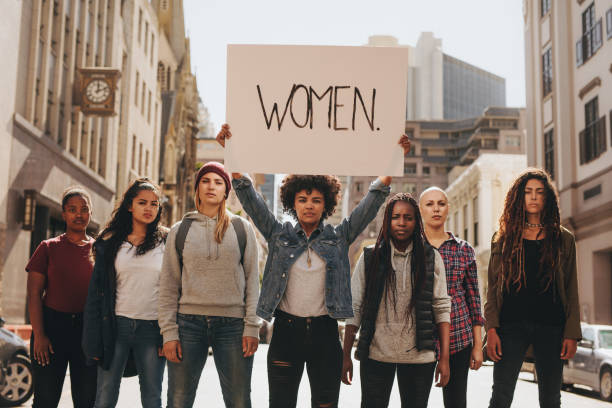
{"x": 568, "y": 63}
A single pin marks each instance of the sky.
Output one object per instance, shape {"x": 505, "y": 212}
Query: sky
{"x": 484, "y": 33}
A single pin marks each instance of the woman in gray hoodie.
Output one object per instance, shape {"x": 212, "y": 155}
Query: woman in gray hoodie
{"x": 208, "y": 294}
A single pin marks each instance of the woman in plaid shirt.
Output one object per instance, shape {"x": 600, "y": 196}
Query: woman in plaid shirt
{"x": 462, "y": 285}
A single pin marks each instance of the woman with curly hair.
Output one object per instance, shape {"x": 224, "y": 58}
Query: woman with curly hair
{"x": 306, "y": 282}
{"x": 399, "y": 300}
{"x": 121, "y": 309}
{"x": 462, "y": 284}
{"x": 533, "y": 291}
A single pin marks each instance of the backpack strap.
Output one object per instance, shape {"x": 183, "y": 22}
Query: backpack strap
{"x": 241, "y": 235}
{"x": 181, "y": 235}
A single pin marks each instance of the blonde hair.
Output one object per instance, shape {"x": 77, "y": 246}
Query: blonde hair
{"x": 223, "y": 218}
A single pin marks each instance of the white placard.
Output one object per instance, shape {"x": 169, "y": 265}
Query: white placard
{"x": 316, "y": 109}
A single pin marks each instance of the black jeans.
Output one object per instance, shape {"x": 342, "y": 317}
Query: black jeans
{"x": 297, "y": 341}
{"x": 455, "y": 391}
{"x": 414, "y": 382}
{"x": 515, "y": 339}
{"x": 64, "y": 330}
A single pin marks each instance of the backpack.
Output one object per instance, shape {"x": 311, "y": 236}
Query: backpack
{"x": 181, "y": 235}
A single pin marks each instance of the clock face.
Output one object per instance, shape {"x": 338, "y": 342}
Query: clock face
{"x": 97, "y": 91}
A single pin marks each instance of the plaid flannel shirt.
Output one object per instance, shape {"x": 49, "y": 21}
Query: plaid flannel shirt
{"x": 462, "y": 285}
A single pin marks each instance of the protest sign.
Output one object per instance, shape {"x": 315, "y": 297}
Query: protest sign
{"x": 316, "y": 109}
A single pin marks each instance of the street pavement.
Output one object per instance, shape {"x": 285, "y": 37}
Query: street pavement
{"x": 479, "y": 390}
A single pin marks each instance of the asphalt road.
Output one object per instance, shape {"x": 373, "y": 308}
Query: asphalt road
{"x": 479, "y": 390}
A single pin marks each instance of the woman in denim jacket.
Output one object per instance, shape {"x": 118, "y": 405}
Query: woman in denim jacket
{"x": 306, "y": 284}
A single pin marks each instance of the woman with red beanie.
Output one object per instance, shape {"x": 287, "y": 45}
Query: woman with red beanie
{"x": 208, "y": 294}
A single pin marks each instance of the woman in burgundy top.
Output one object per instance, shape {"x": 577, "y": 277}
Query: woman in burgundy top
{"x": 58, "y": 278}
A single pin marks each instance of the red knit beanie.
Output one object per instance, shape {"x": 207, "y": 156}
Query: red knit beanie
{"x": 214, "y": 167}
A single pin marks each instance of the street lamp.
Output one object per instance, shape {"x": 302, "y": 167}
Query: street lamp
{"x": 29, "y": 209}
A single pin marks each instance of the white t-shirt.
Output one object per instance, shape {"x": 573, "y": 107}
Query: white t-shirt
{"x": 138, "y": 282}
{"x": 305, "y": 292}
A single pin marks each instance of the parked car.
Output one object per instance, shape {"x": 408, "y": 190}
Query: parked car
{"x": 592, "y": 364}
{"x": 16, "y": 385}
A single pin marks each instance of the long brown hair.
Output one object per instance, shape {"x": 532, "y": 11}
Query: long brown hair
{"x": 512, "y": 226}
{"x": 382, "y": 253}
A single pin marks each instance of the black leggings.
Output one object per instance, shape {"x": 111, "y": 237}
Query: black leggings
{"x": 455, "y": 391}
{"x": 64, "y": 331}
{"x": 413, "y": 380}
{"x": 297, "y": 341}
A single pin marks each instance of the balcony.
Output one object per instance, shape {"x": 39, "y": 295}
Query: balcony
{"x": 588, "y": 44}
{"x": 593, "y": 141}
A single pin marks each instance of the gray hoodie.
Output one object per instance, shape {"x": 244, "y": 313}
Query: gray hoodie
{"x": 213, "y": 282}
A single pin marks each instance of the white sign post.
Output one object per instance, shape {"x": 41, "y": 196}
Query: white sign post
{"x": 316, "y": 109}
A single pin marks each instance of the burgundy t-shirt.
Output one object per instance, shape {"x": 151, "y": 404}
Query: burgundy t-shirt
{"x": 68, "y": 269}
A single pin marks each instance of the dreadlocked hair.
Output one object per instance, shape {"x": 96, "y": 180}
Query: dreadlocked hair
{"x": 512, "y": 226}
{"x": 375, "y": 276}
{"x": 120, "y": 224}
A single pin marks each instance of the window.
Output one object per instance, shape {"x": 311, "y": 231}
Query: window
{"x": 426, "y": 170}
{"x": 136, "y": 90}
{"x": 139, "y": 24}
{"x": 593, "y": 137}
{"x": 591, "y": 40}
{"x": 475, "y": 219}
{"x": 547, "y": 72}
{"x": 545, "y": 7}
{"x": 146, "y": 168}
{"x": 152, "y": 47}
{"x": 549, "y": 153}
{"x": 424, "y": 152}
{"x": 465, "y": 222}
{"x": 513, "y": 141}
{"x": 133, "y": 152}
{"x": 410, "y": 168}
{"x": 609, "y": 23}
{"x": 456, "y": 222}
{"x": 142, "y": 101}
{"x": 410, "y": 188}
{"x": 140, "y": 159}
{"x": 146, "y": 37}
{"x": 358, "y": 186}
{"x": 149, "y": 109}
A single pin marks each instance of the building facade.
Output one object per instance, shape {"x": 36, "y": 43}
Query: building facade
{"x": 180, "y": 111}
{"x": 441, "y": 86}
{"x": 476, "y": 201}
{"x": 568, "y": 56}
{"x": 442, "y": 149}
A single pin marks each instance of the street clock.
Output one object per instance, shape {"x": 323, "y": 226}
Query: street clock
{"x": 95, "y": 91}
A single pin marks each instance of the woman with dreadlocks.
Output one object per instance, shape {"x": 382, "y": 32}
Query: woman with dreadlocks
{"x": 399, "y": 297}
{"x": 533, "y": 291}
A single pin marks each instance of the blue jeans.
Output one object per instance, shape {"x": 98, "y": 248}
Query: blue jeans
{"x": 515, "y": 339}
{"x": 224, "y": 335}
{"x": 142, "y": 338}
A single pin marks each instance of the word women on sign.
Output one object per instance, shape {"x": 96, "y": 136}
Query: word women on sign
{"x": 335, "y": 108}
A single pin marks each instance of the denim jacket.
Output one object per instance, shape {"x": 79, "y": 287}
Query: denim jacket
{"x": 287, "y": 242}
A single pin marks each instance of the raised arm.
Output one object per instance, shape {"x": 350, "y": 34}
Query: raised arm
{"x": 255, "y": 206}
{"x": 365, "y": 211}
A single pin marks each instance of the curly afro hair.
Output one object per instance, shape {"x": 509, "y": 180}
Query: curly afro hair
{"x": 329, "y": 186}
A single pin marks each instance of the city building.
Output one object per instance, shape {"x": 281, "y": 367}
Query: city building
{"x": 441, "y": 86}
{"x": 61, "y": 131}
{"x": 139, "y": 119}
{"x": 442, "y": 149}
{"x": 48, "y": 143}
{"x": 476, "y": 198}
{"x": 568, "y": 56}
{"x": 180, "y": 111}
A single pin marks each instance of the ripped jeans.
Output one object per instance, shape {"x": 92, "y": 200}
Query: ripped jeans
{"x": 296, "y": 341}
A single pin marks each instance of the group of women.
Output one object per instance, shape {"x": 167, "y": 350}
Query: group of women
{"x": 140, "y": 295}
